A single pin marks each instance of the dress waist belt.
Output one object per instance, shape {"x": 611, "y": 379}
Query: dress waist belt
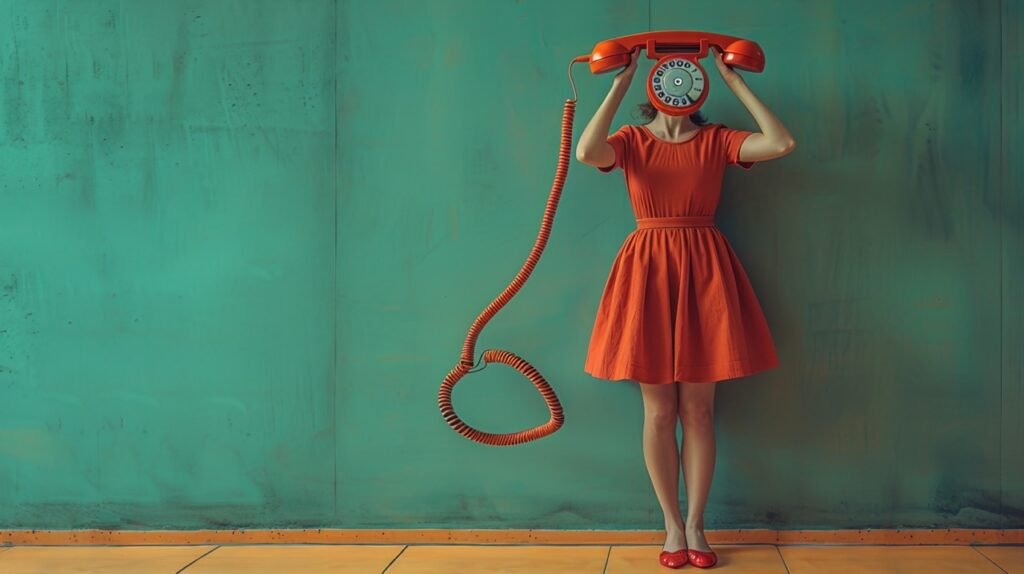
{"x": 679, "y": 221}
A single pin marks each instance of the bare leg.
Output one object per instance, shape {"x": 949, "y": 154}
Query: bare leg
{"x": 661, "y": 454}
{"x": 696, "y": 410}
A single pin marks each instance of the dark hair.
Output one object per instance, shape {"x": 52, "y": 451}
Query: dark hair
{"x": 648, "y": 112}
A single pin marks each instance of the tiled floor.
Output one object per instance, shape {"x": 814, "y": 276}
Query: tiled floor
{"x": 504, "y": 559}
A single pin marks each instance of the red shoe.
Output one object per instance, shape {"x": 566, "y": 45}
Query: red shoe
{"x": 675, "y": 559}
{"x": 701, "y": 559}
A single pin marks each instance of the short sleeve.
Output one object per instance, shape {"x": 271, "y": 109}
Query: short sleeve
{"x": 620, "y": 143}
{"x": 730, "y": 142}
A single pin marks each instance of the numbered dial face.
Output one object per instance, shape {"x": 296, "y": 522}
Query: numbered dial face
{"x": 677, "y": 83}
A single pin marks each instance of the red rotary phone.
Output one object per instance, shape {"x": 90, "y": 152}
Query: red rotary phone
{"x": 676, "y": 86}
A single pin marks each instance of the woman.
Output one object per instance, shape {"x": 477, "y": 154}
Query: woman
{"x": 678, "y": 311}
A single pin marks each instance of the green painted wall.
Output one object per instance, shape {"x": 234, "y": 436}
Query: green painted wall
{"x": 241, "y": 243}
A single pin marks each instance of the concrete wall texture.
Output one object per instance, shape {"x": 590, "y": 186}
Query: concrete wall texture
{"x": 241, "y": 243}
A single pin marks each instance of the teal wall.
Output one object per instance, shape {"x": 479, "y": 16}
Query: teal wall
{"x": 241, "y": 243}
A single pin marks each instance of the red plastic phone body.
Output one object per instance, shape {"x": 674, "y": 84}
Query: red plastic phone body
{"x": 673, "y": 49}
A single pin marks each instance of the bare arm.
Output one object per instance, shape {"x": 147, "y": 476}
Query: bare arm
{"x": 593, "y": 147}
{"x": 774, "y": 140}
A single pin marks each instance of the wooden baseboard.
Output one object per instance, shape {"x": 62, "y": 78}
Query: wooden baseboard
{"x": 952, "y": 536}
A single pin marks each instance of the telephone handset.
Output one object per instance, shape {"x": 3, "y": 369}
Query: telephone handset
{"x": 677, "y": 84}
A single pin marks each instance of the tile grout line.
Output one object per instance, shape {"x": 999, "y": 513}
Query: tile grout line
{"x": 975, "y": 548}
{"x": 402, "y": 551}
{"x": 198, "y": 559}
{"x": 781, "y": 557}
{"x": 607, "y": 557}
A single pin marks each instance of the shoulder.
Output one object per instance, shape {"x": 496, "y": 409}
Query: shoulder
{"x": 722, "y": 133}
{"x": 626, "y": 132}
{"x": 724, "y": 129}
{"x": 716, "y": 128}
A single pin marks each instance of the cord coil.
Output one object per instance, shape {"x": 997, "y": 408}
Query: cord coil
{"x": 466, "y": 364}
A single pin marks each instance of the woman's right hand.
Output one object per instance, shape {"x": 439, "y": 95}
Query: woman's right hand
{"x": 626, "y": 75}
{"x": 593, "y": 147}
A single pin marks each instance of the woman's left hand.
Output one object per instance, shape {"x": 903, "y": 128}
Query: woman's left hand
{"x": 774, "y": 140}
{"x": 728, "y": 74}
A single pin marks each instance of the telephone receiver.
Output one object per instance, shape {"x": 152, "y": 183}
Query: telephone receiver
{"x": 677, "y": 84}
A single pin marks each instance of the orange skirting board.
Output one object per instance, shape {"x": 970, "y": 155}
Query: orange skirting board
{"x": 441, "y": 536}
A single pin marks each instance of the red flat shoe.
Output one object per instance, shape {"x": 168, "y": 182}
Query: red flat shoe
{"x": 675, "y": 559}
{"x": 701, "y": 559}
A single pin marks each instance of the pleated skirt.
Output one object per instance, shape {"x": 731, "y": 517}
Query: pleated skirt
{"x": 678, "y": 306}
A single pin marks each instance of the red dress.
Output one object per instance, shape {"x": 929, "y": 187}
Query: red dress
{"x": 677, "y": 305}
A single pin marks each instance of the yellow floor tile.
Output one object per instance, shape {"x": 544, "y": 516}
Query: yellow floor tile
{"x": 885, "y": 560}
{"x": 305, "y": 558}
{"x": 1009, "y": 558}
{"x": 739, "y": 558}
{"x": 105, "y": 559}
{"x": 444, "y": 559}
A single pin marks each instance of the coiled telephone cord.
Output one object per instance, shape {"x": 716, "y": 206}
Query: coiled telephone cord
{"x": 466, "y": 364}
